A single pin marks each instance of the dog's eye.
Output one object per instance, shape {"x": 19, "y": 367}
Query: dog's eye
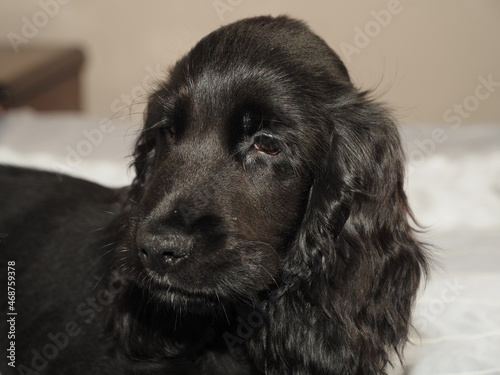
{"x": 170, "y": 130}
{"x": 252, "y": 120}
{"x": 166, "y": 127}
{"x": 258, "y": 128}
{"x": 266, "y": 144}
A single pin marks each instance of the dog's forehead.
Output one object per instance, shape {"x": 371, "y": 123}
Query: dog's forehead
{"x": 279, "y": 43}
{"x": 276, "y": 65}
{"x": 212, "y": 97}
{"x": 276, "y": 62}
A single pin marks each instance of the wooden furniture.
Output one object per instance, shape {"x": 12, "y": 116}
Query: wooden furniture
{"x": 46, "y": 79}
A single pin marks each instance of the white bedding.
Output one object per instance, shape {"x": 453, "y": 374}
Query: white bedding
{"x": 454, "y": 189}
{"x": 82, "y": 146}
{"x": 456, "y": 192}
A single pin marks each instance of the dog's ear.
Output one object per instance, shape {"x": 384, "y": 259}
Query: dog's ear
{"x": 354, "y": 269}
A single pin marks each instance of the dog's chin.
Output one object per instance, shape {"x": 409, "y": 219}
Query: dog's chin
{"x": 197, "y": 301}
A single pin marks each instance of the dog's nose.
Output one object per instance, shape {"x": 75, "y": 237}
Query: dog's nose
{"x": 162, "y": 252}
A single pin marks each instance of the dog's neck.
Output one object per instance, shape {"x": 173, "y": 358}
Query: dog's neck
{"x": 161, "y": 333}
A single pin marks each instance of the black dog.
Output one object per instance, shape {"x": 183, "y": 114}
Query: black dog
{"x": 266, "y": 231}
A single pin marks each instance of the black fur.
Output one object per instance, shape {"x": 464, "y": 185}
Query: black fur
{"x": 266, "y": 231}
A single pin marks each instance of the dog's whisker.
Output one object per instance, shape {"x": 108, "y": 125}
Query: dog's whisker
{"x": 109, "y": 212}
{"x": 105, "y": 253}
{"x": 118, "y": 115}
{"x": 223, "y": 308}
{"x": 266, "y": 244}
{"x": 107, "y": 245}
{"x": 98, "y": 281}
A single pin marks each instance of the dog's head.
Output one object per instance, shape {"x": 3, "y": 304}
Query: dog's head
{"x": 231, "y": 146}
{"x": 261, "y": 169}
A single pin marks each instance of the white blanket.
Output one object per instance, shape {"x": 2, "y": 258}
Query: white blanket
{"x": 455, "y": 191}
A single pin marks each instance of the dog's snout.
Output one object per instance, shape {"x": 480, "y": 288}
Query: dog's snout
{"x": 162, "y": 252}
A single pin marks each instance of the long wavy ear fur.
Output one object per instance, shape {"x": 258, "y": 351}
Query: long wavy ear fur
{"x": 351, "y": 277}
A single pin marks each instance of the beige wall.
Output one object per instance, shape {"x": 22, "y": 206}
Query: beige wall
{"x": 428, "y": 56}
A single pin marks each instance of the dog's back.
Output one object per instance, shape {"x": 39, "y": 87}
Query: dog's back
{"x": 55, "y": 255}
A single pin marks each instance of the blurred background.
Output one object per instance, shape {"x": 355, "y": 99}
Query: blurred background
{"x": 75, "y": 74}
{"x": 425, "y": 55}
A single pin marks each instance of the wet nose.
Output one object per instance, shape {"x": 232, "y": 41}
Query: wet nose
{"x": 163, "y": 251}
